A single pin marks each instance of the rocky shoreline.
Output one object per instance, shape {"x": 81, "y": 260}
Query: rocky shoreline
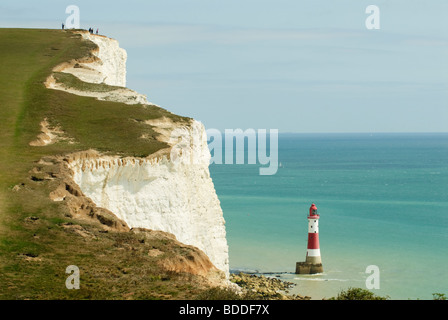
{"x": 265, "y": 287}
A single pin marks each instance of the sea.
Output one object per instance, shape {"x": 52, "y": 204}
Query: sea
{"x": 383, "y": 205}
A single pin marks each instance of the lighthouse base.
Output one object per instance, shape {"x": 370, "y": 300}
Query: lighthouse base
{"x": 308, "y": 268}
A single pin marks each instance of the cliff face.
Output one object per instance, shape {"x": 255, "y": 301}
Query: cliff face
{"x": 159, "y": 194}
{"x": 169, "y": 191}
{"x": 108, "y": 68}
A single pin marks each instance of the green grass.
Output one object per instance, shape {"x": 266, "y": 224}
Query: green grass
{"x": 106, "y": 126}
{"x": 70, "y": 81}
{"x": 35, "y": 247}
{"x": 28, "y": 57}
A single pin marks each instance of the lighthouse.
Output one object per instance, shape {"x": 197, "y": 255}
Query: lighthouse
{"x": 313, "y": 262}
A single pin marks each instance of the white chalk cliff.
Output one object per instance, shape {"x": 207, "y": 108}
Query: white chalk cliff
{"x": 110, "y": 68}
{"x": 173, "y": 194}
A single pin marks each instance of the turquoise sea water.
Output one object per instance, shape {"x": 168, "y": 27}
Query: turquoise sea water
{"x": 382, "y": 198}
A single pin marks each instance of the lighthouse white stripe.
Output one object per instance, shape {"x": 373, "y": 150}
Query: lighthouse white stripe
{"x": 313, "y": 226}
{"x": 313, "y": 252}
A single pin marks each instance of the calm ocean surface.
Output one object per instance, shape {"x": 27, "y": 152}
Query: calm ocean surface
{"x": 382, "y": 199}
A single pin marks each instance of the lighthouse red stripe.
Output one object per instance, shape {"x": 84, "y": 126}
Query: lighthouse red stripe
{"x": 313, "y": 241}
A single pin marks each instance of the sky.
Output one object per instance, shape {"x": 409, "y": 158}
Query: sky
{"x": 292, "y": 65}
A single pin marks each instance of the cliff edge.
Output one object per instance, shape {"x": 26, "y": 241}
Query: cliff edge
{"x": 154, "y": 192}
{"x": 94, "y": 175}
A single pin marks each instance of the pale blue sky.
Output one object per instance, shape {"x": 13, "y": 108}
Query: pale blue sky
{"x": 296, "y": 66}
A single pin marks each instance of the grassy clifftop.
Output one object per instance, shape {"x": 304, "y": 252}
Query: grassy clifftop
{"x": 28, "y": 57}
{"x": 39, "y": 238}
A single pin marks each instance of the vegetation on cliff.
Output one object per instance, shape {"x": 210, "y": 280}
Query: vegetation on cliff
{"x": 40, "y": 237}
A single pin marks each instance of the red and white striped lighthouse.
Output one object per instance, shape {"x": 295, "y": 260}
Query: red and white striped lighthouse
{"x": 313, "y": 250}
{"x": 313, "y": 262}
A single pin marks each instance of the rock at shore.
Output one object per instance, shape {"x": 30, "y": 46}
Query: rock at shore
{"x": 266, "y": 287}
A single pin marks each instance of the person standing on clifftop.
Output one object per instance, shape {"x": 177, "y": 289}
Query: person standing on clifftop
{"x": 63, "y": 26}
{"x": 96, "y": 30}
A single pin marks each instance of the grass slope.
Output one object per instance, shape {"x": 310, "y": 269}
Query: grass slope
{"x": 36, "y": 244}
